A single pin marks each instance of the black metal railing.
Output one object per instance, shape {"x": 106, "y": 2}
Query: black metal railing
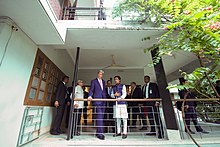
{"x": 142, "y": 120}
{"x": 202, "y": 119}
{"x": 71, "y": 13}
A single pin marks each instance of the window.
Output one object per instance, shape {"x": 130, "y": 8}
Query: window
{"x": 43, "y": 81}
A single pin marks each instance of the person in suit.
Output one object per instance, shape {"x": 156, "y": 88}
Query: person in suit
{"x": 189, "y": 108}
{"x": 86, "y": 94}
{"x": 68, "y": 101}
{"x": 150, "y": 90}
{"x": 60, "y": 103}
{"x": 136, "y": 93}
{"x": 120, "y": 107}
{"x": 98, "y": 91}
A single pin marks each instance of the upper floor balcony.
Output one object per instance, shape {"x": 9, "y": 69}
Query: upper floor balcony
{"x": 85, "y": 10}
{"x": 91, "y": 12}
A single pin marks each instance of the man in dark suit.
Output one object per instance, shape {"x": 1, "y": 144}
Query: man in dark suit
{"x": 150, "y": 90}
{"x": 98, "y": 91}
{"x": 136, "y": 94}
{"x": 190, "y": 111}
{"x": 60, "y": 103}
{"x": 68, "y": 101}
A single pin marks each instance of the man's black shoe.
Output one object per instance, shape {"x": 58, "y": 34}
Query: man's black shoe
{"x": 203, "y": 131}
{"x": 101, "y": 137}
{"x": 151, "y": 133}
{"x": 115, "y": 135}
{"x": 61, "y": 132}
{"x": 143, "y": 128}
{"x": 54, "y": 133}
{"x": 191, "y": 132}
{"x": 124, "y": 136}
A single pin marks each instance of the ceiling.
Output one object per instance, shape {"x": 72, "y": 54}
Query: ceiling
{"x": 109, "y": 39}
{"x": 97, "y": 46}
{"x": 30, "y": 16}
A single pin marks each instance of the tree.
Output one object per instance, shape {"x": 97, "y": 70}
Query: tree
{"x": 192, "y": 26}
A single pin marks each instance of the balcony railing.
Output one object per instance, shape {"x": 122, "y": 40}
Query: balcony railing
{"x": 138, "y": 123}
{"x": 204, "y": 115}
{"x": 91, "y": 13}
{"x": 207, "y": 119}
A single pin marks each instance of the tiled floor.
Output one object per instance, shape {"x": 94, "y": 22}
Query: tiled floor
{"x": 135, "y": 138}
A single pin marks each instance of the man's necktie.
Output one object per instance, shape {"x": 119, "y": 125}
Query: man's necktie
{"x": 100, "y": 82}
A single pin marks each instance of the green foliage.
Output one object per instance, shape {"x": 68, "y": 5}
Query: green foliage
{"x": 192, "y": 26}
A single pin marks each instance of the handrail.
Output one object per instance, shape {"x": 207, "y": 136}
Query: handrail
{"x": 145, "y": 99}
{"x": 197, "y": 99}
{"x": 84, "y": 8}
{"x": 113, "y": 100}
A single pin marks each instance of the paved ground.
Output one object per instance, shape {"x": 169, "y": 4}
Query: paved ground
{"x": 135, "y": 138}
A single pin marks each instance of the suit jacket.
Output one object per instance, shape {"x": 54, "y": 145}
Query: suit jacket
{"x": 137, "y": 94}
{"x": 61, "y": 93}
{"x": 69, "y": 92}
{"x": 96, "y": 91}
{"x": 153, "y": 92}
{"x": 108, "y": 97}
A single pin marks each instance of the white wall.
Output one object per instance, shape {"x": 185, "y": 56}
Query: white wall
{"x": 14, "y": 76}
{"x": 127, "y": 75}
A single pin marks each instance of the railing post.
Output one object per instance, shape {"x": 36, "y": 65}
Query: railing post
{"x": 70, "y": 123}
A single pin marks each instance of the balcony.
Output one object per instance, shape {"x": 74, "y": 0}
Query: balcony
{"x": 207, "y": 117}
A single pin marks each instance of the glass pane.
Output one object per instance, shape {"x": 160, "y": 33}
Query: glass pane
{"x": 37, "y": 72}
{"x": 40, "y": 62}
{"x": 41, "y": 95}
{"x": 46, "y": 66}
{"x": 32, "y": 93}
{"x": 48, "y": 97}
{"x": 50, "y": 88}
{"x": 42, "y": 85}
{"x": 54, "y": 89}
{"x": 44, "y": 76}
{"x": 35, "y": 82}
{"x": 56, "y": 82}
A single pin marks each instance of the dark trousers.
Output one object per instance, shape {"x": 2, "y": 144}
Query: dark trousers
{"x": 154, "y": 116}
{"x": 58, "y": 118}
{"x": 142, "y": 116}
{"x": 99, "y": 115}
{"x": 85, "y": 115}
{"x": 67, "y": 115}
{"x": 76, "y": 120}
{"x": 191, "y": 114}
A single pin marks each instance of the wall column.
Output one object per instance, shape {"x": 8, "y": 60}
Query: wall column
{"x": 167, "y": 105}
